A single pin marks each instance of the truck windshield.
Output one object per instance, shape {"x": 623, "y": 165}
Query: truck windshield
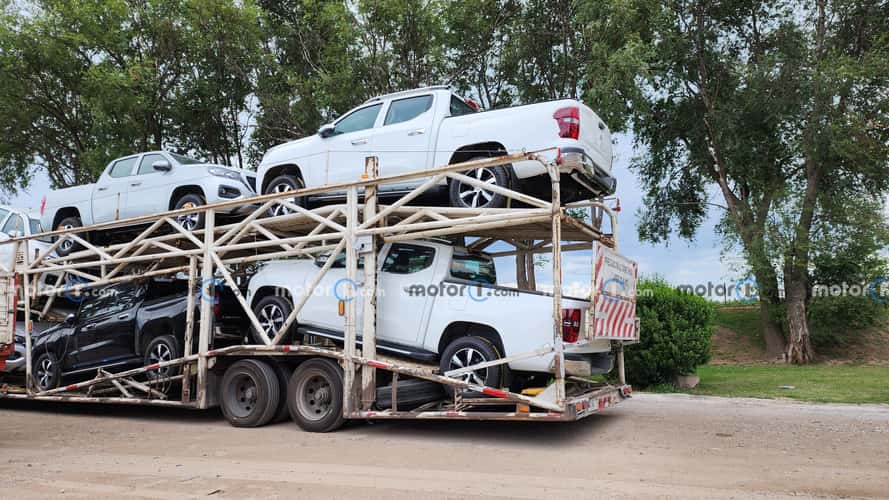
{"x": 474, "y": 268}
{"x": 184, "y": 160}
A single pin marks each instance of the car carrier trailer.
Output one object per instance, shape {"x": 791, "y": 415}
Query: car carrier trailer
{"x": 343, "y": 378}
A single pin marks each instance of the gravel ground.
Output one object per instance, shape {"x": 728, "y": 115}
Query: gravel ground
{"x": 670, "y": 446}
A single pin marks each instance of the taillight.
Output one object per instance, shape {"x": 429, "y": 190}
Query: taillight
{"x": 472, "y": 104}
{"x": 569, "y": 122}
{"x": 42, "y": 205}
{"x": 570, "y": 325}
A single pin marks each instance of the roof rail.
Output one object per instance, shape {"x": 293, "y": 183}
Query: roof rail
{"x": 408, "y": 92}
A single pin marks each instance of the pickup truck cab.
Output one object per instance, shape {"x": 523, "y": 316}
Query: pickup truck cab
{"x": 145, "y": 184}
{"x": 423, "y": 128}
{"x": 436, "y": 303}
{"x": 114, "y": 327}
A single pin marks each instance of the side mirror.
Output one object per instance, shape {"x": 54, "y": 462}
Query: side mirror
{"x": 326, "y": 131}
{"x": 321, "y": 260}
{"x": 15, "y": 234}
{"x": 70, "y": 319}
{"x": 162, "y": 166}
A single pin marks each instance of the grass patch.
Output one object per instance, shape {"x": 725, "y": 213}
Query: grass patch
{"x": 820, "y": 383}
{"x": 744, "y": 322}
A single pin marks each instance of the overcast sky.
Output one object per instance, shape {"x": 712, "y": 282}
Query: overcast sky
{"x": 680, "y": 262}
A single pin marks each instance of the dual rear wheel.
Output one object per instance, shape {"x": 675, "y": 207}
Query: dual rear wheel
{"x": 256, "y": 392}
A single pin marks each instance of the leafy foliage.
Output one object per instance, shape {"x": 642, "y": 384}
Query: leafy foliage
{"x": 677, "y": 328}
{"x": 835, "y": 320}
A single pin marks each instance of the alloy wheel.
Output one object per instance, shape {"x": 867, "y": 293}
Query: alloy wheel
{"x": 271, "y": 317}
{"x": 468, "y": 357}
{"x": 189, "y": 222}
{"x": 474, "y": 196}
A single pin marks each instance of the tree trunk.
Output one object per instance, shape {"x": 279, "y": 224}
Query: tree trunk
{"x": 771, "y": 329}
{"x": 799, "y": 348}
{"x": 521, "y": 268}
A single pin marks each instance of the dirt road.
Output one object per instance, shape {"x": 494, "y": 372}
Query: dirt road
{"x": 672, "y": 446}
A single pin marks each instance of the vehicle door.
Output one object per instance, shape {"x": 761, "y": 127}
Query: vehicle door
{"x": 11, "y": 225}
{"x": 402, "y": 143}
{"x": 106, "y": 325}
{"x": 352, "y": 141}
{"x": 322, "y": 307}
{"x": 149, "y": 190}
{"x": 110, "y": 192}
{"x": 404, "y": 281}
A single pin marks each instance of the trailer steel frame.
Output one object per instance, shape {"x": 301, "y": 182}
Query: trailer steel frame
{"x": 217, "y": 253}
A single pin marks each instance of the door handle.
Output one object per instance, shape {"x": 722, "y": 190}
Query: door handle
{"x": 359, "y": 142}
{"x": 123, "y": 316}
{"x": 419, "y": 131}
{"x": 89, "y": 327}
{"x": 102, "y": 189}
{"x": 134, "y": 184}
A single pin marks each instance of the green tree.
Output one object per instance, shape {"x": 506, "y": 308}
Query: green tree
{"x": 781, "y": 106}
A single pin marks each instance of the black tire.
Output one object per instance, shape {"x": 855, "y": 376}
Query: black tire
{"x": 160, "y": 349}
{"x": 468, "y": 196}
{"x": 282, "y": 184}
{"x": 68, "y": 247}
{"x": 190, "y": 222}
{"x": 315, "y": 396}
{"x": 271, "y": 312}
{"x": 283, "y": 372}
{"x": 249, "y": 393}
{"x": 469, "y": 350}
{"x": 47, "y": 371}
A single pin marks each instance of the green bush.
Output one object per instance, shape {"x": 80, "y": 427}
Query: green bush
{"x": 675, "y": 334}
{"x": 833, "y": 320}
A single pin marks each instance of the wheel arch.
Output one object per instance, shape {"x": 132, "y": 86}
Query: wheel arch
{"x": 64, "y": 213}
{"x": 465, "y": 153}
{"x": 181, "y": 191}
{"x": 151, "y": 331}
{"x": 459, "y": 329}
{"x": 286, "y": 168}
{"x": 270, "y": 290}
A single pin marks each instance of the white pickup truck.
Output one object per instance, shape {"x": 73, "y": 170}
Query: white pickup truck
{"x": 436, "y": 302}
{"x": 423, "y": 128}
{"x": 145, "y": 184}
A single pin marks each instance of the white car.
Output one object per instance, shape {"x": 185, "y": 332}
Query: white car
{"x": 16, "y": 223}
{"x": 145, "y": 184}
{"x": 436, "y": 302}
{"x": 428, "y": 127}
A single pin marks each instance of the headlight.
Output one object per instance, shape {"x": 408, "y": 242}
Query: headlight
{"x": 224, "y": 172}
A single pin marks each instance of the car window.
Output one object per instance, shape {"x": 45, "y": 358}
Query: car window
{"x": 361, "y": 119}
{"x": 123, "y": 168}
{"x": 109, "y": 300}
{"x": 184, "y": 160}
{"x": 403, "y": 110}
{"x": 3, "y": 213}
{"x": 408, "y": 259}
{"x": 147, "y": 161}
{"x": 15, "y": 223}
{"x": 458, "y": 107}
{"x": 340, "y": 261}
{"x": 474, "y": 268}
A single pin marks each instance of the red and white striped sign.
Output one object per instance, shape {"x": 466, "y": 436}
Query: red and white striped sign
{"x": 614, "y": 298}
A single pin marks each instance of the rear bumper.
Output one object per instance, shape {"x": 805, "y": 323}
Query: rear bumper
{"x": 579, "y": 166}
{"x": 16, "y": 361}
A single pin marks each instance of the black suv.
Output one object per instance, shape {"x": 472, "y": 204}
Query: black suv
{"x": 117, "y": 326}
